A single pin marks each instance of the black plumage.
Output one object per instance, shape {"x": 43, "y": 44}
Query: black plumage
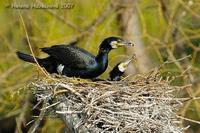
{"x": 73, "y": 61}
{"x": 119, "y": 69}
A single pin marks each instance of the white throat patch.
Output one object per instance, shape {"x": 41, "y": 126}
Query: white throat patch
{"x": 114, "y": 44}
{"x": 60, "y": 68}
{"x": 121, "y": 68}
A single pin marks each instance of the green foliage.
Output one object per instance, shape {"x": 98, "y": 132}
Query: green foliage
{"x": 56, "y": 26}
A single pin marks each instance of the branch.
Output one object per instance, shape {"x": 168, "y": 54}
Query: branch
{"x": 36, "y": 124}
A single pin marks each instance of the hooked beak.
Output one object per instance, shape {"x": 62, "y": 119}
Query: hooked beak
{"x": 124, "y": 43}
{"x": 125, "y": 64}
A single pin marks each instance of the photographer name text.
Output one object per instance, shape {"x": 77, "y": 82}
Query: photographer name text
{"x": 66, "y": 5}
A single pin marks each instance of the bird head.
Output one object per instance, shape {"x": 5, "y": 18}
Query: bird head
{"x": 113, "y": 43}
{"x": 123, "y": 65}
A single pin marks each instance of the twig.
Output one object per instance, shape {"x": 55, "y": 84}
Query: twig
{"x": 164, "y": 10}
{"x": 46, "y": 107}
{"x": 188, "y": 9}
{"x": 21, "y": 119}
{"x": 177, "y": 60}
{"x": 187, "y": 119}
{"x": 36, "y": 124}
{"x": 68, "y": 23}
{"x": 29, "y": 44}
{"x": 115, "y": 106}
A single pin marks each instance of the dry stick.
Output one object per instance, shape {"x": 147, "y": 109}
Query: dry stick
{"x": 188, "y": 9}
{"x": 129, "y": 29}
{"x": 83, "y": 32}
{"x": 173, "y": 27}
{"x": 95, "y": 93}
{"x": 177, "y": 60}
{"x": 188, "y": 90}
{"x": 73, "y": 26}
{"x": 145, "y": 34}
{"x": 187, "y": 119}
{"x": 169, "y": 62}
{"x": 168, "y": 99}
{"x": 72, "y": 90}
{"x": 20, "y": 119}
{"x": 7, "y": 43}
{"x": 188, "y": 40}
{"x": 182, "y": 40}
{"x": 175, "y": 24}
{"x": 70, "y": 24}
{"x": 8, "y": 72}
{"x": 164, "y": 9}
{"x": 167, "y": 18}
{"x": 36, "y": 124}
{"x": 101, "y": 17}
{"x": 38, "y": 121}
{"x": 96, "y": 22}
{"x": 29, "y": 44}
{"x": 52, "y": 105}
{"x": 37, "y": 104}
{"x": 30, "y": 122}
{"x": 90, "y": 27}
{"x": 191, "y": 77}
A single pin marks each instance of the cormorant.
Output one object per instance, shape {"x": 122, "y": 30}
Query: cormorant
{"x": 118, "y": 70}
{"x": 73, "y": 61}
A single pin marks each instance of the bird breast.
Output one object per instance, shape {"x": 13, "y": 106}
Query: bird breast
{"x": 60, "y": 68}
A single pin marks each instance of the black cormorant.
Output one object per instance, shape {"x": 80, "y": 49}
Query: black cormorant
{"x": 118, "y": 70}
{"x": 73, "y": 61}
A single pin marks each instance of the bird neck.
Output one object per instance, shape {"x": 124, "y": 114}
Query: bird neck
{"x": 102, "y": 58}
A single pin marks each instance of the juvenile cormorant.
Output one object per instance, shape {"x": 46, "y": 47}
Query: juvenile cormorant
{"x": 73, "y": 61}
{"x": 116, "y": 73}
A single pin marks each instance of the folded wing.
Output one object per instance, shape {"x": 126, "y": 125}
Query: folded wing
{"x": 71, "y": 56}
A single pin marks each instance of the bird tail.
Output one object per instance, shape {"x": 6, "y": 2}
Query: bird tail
{"x": 26, "y": 57}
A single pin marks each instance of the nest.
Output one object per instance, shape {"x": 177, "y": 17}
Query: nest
{"x": 144, "y": 104}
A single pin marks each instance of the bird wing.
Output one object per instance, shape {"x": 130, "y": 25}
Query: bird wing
{"x": 71, "y": 56}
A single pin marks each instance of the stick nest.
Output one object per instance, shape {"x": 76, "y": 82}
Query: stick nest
{"x": 144, "y": 104}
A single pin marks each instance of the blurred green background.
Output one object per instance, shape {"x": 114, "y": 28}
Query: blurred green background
{"x": 161, "y": 30}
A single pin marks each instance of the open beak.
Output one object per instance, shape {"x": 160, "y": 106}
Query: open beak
{"x": 125, "y": 64}
{"x": 124, "y": 43}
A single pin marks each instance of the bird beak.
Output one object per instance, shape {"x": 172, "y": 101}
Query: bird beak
{"x": 129, "y": 60}
{"x": 124, "y": 43}
{"x": 125, "y": 64}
